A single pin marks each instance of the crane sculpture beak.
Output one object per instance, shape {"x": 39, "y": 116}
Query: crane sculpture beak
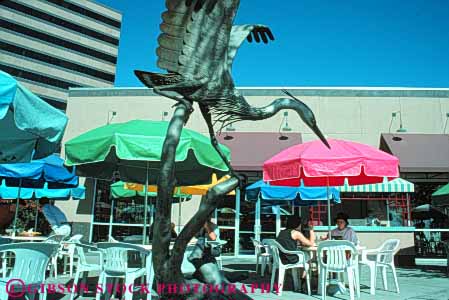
{"x": 307, "y": 116}
{"x": 320, "y": 135}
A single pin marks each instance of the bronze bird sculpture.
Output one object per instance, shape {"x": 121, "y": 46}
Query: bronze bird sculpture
{"x": 197, "y": 47}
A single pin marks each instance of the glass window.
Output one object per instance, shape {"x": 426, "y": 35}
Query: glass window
{"x": 56, "y": 61}
{"x": 128, "y": 216}
{"x": 37, "y": 77}
{"x": 58, "y": 21}
{"x": 87, "y": 12}
{"x": 57, "y": 41}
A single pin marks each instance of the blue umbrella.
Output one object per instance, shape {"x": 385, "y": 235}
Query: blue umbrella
{"x": 35, "y": 174}
{"x": 278, "y": 195}
{"x": 273, "y": 196}
{"x": 47, "y": 174}
{"x": 27, "y": 123}
{"x": 9, "y": 192}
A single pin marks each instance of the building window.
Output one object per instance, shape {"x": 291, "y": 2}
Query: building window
{"x": 87, "y": 12}
{"x": 37, "y": 77}
{"x": 57, "y": 41}
{"x": 56, "y": 61}
{"x": 58, "y": 21}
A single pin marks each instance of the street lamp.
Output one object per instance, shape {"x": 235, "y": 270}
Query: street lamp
{"x": 401, "y": 129}
{"x": 445, "y": 123}
{"x": 284, "y": 128}
{"x": 111, "y": 115}
{"x": 228, "y": 137}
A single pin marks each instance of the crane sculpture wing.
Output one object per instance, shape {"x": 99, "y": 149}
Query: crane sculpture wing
{"x": 195, "y": 36}
{"x": 239, "y": 33}
{"x": 197, "y": 46}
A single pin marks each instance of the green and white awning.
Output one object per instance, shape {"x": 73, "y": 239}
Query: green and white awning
{"x": 397, "y": 185}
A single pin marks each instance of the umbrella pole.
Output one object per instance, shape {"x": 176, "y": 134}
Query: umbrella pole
{"x": 388, "y": 213}
{"x": 92, "y": 216}
{"x": 257, "y": 221}
{"x": 278, "y": 220}
{"x": 179, "y": 215}
{"x": 17, "y": 209}
{"x": 408, "y": 211}
{"x": 151, "y": 213}
{"x": 111, "y": 218}
{"x": 145, "y": 208}
{"x": 328, "y": 209}
{"x": 37, "y": 214}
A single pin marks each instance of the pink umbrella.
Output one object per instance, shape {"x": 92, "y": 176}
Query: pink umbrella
{"x": 314, "y": 164}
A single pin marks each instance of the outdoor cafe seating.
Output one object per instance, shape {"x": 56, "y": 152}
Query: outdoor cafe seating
{"x": 116, "y": 265}
{"x": 381, "y": 258}
{"x": 28, "y": 256}
{"x": 335, "y": 256}
{"x": 339, "y": 257}
{"x": 84, "y": 266}
{"x": 279, "y": 266}
{"x": 113, "y": 260}
{"x": 263, "y": 252}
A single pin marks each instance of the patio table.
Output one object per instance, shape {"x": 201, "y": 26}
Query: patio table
{"x": 26, "y": 238}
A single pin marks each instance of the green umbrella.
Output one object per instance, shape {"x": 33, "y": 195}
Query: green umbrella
{"x": 134, "y": 150}
{"x": 441, "y": 196}
{"x": 135, "y": 147}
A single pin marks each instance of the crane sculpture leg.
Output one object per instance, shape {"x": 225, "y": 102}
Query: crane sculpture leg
{"x": 213, "y": 139}
{"x": 166, "y": 263}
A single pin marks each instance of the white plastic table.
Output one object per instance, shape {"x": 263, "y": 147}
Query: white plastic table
{"x": 26, "y": 238}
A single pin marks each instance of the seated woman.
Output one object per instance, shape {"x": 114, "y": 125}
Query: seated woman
{"x": 343, "y": 231}
{"x": 291, "y": 236}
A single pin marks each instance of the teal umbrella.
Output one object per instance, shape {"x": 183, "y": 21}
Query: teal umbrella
{"x": 30, "y": 128}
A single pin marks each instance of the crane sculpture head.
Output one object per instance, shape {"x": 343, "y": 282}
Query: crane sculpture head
{"x": 307, "y": 116}
{"x": 197, "y": 47}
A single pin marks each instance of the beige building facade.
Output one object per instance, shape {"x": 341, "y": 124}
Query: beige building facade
{"x": 356, "y": 114}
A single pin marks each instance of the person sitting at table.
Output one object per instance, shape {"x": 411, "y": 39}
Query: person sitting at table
{"x": 343, "y": 231}
{"x": 372, "y": 219}
{"x": 55, "y": 217}
{"x": 201, "y": 256}
{"x": 291, "y": 236}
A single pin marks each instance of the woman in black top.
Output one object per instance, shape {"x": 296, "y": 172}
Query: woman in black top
{"x": 291, "y": 236}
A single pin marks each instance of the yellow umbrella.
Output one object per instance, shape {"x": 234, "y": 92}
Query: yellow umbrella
{"x": 189, "y": 190}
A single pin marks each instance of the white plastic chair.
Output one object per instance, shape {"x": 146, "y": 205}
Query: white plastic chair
{"x": 67, "y": 250}
{"x": 55, "y": 239}
{"x": 275, "y": 248}
{"x": 382, "y": 257}
{"x": 338, "y": 257}
{"x": 84, "y": 266}
{"x": 4, "y": 257}
{"x": 263, "y": 253}
{"x": 116, "y": 266}
{"x": 218, "y": 243}
{"x": 30, "y": 264}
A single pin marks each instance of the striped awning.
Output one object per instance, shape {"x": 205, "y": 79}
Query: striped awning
{"x": 397, "y": 185}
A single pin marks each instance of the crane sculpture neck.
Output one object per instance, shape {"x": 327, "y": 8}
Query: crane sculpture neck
{"x": 265, "y": 112}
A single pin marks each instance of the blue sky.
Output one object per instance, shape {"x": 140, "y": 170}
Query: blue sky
{"x": 318, "y": 42}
